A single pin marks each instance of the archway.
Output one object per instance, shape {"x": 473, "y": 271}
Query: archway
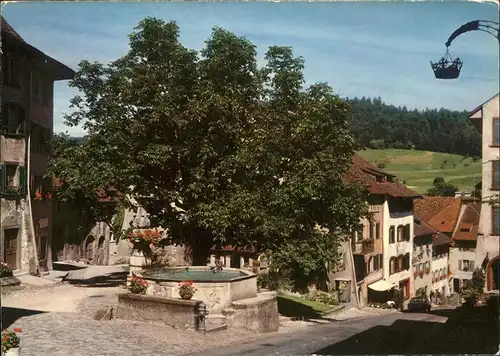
{"x": 493, "y": 274}
{"x": 100, "y": 251}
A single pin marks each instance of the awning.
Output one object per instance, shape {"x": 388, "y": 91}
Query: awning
{"x": 381, "y": 286}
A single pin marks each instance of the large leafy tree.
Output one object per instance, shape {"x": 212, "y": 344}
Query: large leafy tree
{"x": 219, "y": 151}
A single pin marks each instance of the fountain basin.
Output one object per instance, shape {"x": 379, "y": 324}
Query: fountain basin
{"x": 217, "y": 290}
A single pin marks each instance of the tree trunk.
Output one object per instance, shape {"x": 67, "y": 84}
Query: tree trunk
{"x": 201, "y": 243}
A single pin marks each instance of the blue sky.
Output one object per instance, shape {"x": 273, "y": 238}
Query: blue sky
{"x": 361, "y": 49}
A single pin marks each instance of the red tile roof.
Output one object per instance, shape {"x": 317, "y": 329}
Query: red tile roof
{"x": 376, "y": 180}
{"x": 421, "y": 228}
{"x": 469, "y": 223}
{"x": 446, "y": 220}
{"x": 428, "y": 207}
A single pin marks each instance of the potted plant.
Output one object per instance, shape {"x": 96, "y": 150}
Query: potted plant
{"x": 427, "y": 270}
{"x": 11, "y": 342}
{"x": 5, "y": 269}
{"x": 186, "y": 290}
{"x": 138, "y": 285}
{"x": 143, "y": 241}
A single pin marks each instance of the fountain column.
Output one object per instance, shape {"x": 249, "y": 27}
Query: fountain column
{"x": 228, "y": 261}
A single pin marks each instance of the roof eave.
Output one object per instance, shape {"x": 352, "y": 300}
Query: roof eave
{"x": 60, "y": 70}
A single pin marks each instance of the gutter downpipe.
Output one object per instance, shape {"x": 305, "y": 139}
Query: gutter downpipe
{"x": 28, "y": 180}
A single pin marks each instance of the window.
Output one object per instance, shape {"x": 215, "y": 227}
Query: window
{"x": 400, "y": 233}
{"x": 11, "y": 171}
{"x": 381, "y": 261}
{"x": 372, "y": 231}
{"x": 12, "y": 177}
{"x": 376, "y": 263}
{"x": 13, "y": 119}
{"x": 495, "y": 175}
{"x": 11, "y": 75}
{"x": 401, "y": 262}
{"x": 392, "y": 265}
{"x": 377, "y": 231}
{"x": 466, "y": 265}
{"x": 495, "y": 220}
{"x": 391, "y": 235}
{"x": 40, "y": 138}
{"x": 496, "y": 131}
{"x": 39, "y": 90}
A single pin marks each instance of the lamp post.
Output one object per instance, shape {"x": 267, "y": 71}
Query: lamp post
{"x": 449, "y": 68}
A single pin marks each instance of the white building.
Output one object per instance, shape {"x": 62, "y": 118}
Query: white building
{"x": 486, "y": 118}
{"x": 398, "y": 243}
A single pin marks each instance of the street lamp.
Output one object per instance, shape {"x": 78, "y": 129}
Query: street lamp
{"x": 449, "y": 68}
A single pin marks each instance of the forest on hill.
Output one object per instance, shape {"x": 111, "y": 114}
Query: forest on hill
{"x": 377, "y": 125}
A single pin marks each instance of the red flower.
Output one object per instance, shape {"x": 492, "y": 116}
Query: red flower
{"x": 18, "y": 330}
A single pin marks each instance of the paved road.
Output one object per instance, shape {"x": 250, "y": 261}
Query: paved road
{"x": 385, "y": 334}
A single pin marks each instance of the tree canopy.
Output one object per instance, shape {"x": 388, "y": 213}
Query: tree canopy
{"x": 441, "y": 188}
{"x": 218, "y": 150}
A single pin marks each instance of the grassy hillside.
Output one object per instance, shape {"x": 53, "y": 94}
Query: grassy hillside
{"x": 419, "y": 168}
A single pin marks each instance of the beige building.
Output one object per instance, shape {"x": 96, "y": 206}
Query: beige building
{"x": 486, "y": 118}
{"x": 25, "y": 133}
{"x": 372, "y": 264}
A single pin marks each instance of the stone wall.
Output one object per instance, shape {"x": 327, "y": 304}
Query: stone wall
{"x": 177, "y": 313}
{"x": 259, "y": 314}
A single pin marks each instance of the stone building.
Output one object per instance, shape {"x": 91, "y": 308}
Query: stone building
{"x": 26, "y": 129}
{"x": 486, "y": 119}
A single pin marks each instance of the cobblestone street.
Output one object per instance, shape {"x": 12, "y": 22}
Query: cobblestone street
{"x": 56, "y": 333}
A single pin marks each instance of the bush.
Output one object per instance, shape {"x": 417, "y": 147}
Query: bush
{"x": 273, "y": 281}
{"x": 323, "y": 297}
{"x": 5, "y": 269}
{"x": 470, "y": 296}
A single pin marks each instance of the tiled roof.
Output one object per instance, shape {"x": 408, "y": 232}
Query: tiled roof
{"x": 428, "y": 207}
{"x": 104, "y": 195}
{"x": 469, "y": 223}
{"x": 58, "y": 70}
{"x": 446, "y": 220}
{"x": 364, "y": 172}
{"x": 9, "y": 30}
{"x": 421, "y": 228}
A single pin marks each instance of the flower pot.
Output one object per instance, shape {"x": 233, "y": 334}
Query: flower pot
{"x": 15, "y": 351}
{"x": 138, "y": 261}
{"x": 186, "y": 297}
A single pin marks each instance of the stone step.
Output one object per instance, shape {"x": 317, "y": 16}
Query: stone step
{"x": 213, "y": 328}
{"x": 216, "y": 319}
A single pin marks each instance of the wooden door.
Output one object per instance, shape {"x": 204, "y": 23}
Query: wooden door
{"x": 10, "y": 247}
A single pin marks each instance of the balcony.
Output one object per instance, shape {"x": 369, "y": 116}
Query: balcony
{"x": 363, "y": 247}
{"x": 374, "y": 208}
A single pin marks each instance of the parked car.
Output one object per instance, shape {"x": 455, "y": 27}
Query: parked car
{"x": 419, "y": 304}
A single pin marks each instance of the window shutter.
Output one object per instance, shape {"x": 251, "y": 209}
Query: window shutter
{"x": 471, "y": 265}
{"x": 22, "y": 179}
{"x": 3, "y": 176}
{"x": 460, "y": 265}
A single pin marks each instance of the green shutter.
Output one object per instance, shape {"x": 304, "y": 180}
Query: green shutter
{"x": 22, "y": 179}
{"x": 3, "y": 177}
